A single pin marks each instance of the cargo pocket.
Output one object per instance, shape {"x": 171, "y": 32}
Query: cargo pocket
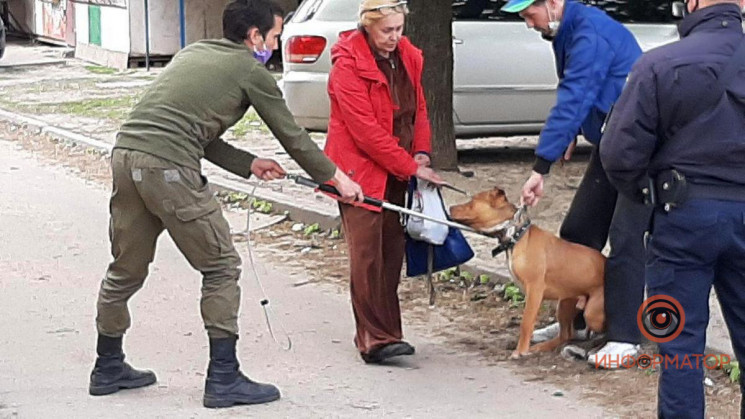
{"x": 685, "y": 237}
{"x": 203, "y": 224}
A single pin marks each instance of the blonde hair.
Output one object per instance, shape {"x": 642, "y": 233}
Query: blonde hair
{"x": 369, "y": 17}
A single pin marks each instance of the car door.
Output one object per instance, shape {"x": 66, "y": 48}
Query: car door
{"x": 504, "y": 73}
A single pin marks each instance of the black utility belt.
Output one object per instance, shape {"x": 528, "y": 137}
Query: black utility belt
{"x": 670, "y": 188}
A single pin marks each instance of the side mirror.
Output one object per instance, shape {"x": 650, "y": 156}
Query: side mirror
{"x": 679, "y": 9}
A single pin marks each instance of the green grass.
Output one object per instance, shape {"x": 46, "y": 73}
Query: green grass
{"x": 249, "y": 122}
{"x": 115, "y": 108}
{"x": 100, "y": 70}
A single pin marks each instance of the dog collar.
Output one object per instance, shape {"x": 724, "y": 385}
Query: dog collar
{"x": 511, "y": 231}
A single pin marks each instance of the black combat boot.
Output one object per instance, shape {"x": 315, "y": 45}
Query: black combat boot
{"x": 111, "y": 373}
{"x": 226, "y": 385}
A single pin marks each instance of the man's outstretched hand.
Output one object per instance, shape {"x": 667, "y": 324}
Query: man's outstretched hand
{"x": 267, "y": 169}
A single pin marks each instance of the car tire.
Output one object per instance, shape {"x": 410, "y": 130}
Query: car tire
{"x": 2, "y": 38}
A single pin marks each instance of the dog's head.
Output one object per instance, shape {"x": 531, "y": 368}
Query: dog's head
{"x": 486, "y": 210}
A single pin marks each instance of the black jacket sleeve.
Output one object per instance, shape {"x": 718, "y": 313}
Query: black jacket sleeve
{"x": 631, "y": 134}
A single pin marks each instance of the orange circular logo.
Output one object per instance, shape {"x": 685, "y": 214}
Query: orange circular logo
{"x": 661, "y": 318}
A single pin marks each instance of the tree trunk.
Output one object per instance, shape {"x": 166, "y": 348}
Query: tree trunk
{"x": 429, "y": 25}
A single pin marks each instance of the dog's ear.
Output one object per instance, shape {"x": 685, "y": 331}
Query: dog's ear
{"x": 496, "y": 193}
{"x": 497, "y": 197}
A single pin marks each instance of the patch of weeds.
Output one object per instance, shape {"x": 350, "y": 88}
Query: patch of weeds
{"x": 249, "y": 122}
{"x": 449, "y": 275}
{"x": 313, "y": 228}
{"x": 235, "y": 197}
{"x": 115, "y": 108}
{"x": 513, "y": 294}
{"x": 335, "y": 234}
{"x": 95, "y": 69}
{"x": 262, "y": 207}
{"x": 733, "y": 370}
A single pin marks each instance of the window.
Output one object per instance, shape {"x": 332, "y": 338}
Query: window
{"x": 327, "y": 10}
{"x": 306, "y": 10}
{"x": 340, "y": 11}
{"x": 625, "y": 11}
{"x": 482, "y": 10}
{"x": 636, "y": 11}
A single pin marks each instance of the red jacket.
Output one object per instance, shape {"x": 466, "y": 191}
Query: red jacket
{"x": 360, "y": 135}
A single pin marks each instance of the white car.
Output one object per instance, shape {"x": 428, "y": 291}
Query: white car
{"x": 504, "y": 75}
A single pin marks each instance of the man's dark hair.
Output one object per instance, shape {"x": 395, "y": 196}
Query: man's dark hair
{"x": 241, "y": 15}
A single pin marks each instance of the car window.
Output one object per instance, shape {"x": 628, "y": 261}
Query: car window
{"x": 487, "y": 10}
{"x": 636, "y": 11}
{"x": 306, "y": 10}
{"x": 625, "y": 11}
{"x": 327, "y": 10}
{"x": 340, "y": 10}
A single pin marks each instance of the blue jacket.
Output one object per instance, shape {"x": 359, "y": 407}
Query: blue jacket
{"x": 675, "y": 114}
{"x": 594, "y": 55}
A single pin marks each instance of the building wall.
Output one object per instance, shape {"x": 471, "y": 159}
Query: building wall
{"x": 51, "y": 19}
{"x": 102, "y": 33}
{"x": 23, "y": 11}
{"x": 122, "y": 29}
{"x": 164, "y": 27}
{"x": 204, "y": 19}
{"x": 103, "y": 26}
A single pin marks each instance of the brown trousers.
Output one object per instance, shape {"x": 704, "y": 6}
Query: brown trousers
{"x": 151, "y": 195}
{"x": 376, "y": 252}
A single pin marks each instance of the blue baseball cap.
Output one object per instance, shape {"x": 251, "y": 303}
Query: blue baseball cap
{"x": 517, "y": 6}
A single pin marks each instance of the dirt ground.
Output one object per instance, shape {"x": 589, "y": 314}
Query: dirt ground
{"x": 54, "y": 249}
{"x": 471, "y": 319}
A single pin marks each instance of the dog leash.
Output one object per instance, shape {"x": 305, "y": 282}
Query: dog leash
{"x": 268, "y": 312}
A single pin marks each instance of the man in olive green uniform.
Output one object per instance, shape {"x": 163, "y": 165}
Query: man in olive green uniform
{"x": 158, "y": 186}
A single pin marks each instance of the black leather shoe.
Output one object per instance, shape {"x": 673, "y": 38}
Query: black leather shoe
{"x": 380, "y": 354}
{"x": 226, "y": 386}
{"x": 111, "y": 373}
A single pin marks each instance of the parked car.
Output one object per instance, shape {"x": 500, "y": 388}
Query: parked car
{"x": 504, "y": 74}
{"x": 2, "y": 38}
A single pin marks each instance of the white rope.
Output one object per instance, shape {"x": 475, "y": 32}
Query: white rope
{"x": 264, "y": 300}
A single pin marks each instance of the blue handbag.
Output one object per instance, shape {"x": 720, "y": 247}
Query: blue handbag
{"x": 455, "y": 251}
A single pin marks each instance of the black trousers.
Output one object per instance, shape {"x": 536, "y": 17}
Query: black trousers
{"x": 599, "y": 214}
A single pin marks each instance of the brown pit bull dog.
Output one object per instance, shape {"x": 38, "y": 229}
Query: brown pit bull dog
{"x": 547, "y": 267}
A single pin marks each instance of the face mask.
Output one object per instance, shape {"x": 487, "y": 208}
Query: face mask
{"x": 553, "y": 25}
{"x": 264, "y": 55}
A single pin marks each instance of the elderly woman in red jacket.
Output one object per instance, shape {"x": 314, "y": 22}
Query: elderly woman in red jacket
{"x": 379, "y": 135}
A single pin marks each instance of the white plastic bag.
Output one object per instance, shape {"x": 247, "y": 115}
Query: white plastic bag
{"x": 426, "y": 199}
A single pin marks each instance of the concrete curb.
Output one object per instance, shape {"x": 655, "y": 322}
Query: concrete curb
{"x": 32, "y": 63}
{"x": 326, "y": 219}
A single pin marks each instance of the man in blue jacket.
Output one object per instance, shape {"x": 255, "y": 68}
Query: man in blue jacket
{"x": 594, "y": 55}
{"x": 678, "y": 134}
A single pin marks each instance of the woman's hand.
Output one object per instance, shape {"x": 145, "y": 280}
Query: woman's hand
{"x": 429, "y": 175}
{"x": 350, "y": 191}
{"x": 422, "y": 160}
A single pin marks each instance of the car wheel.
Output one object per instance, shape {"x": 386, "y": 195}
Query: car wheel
{"x": 2, "y": 38}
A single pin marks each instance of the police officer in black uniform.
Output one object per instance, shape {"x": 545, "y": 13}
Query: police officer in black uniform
{"x": 676, "y": 139}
